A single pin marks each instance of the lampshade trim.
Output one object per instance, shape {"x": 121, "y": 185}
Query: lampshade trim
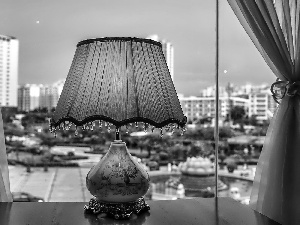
{"x": 109, "y": 39}
{"x": 149, "y": 94}
{"x": 118, "y": 124}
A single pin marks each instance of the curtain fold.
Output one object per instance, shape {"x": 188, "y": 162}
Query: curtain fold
{"x": 273, "y": 26}
{"x": 5, "y": 195}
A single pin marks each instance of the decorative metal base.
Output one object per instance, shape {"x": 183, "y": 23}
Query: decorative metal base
{"x": 122, "y": 210}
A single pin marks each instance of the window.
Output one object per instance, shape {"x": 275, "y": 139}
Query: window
{"x": 193, "y": 68}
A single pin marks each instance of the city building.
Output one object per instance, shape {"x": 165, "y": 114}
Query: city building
{"x": 262, "y": 105}
{"x": 49, "y": 95}
{"x": 34, "y": 96}
{"x": 9, "y": 61}
{"x": 195, "y": 108}
{"x": 168, "y": 51}
{"x": 211, "y": 91}
{"x": 28, "y": 97}
{"x": 233, "y": 90}
{"x": 249, "y": 88}
{"x": 256, "y": 100}
{"x": 59, "y": 85}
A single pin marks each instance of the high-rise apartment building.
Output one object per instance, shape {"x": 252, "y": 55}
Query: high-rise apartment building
{"x": 48, "y": 97}
{"x": 28, "y": 97}
{"x": 34, "y": 96}
{"x": 9, "y": 60}
{"x": 262, "y": 105}
{"x": 168, "y": 51}
{"x": 60, "y": 85}
{"x": 49, "y": 94}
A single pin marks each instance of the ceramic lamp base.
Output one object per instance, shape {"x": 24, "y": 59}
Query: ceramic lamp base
{"x": 122, "y": 210}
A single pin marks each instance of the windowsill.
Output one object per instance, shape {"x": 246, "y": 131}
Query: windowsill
{"x": 192, "y": 211}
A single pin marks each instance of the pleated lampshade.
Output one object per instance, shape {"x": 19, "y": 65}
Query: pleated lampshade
{"x": 119, "y": 80}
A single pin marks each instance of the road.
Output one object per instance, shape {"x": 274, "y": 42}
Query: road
{"x": 55, "y": 185}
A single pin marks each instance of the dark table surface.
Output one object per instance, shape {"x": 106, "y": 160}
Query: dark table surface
{"x": 186, "y": 211}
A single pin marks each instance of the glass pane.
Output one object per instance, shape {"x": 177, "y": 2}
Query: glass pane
{"x": 55, "y": 169}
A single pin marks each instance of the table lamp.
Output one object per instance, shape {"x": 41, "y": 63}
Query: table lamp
{"x": 118, "y": 81}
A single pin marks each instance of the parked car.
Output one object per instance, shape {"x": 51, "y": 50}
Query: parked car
{"x": 25, "y": 197}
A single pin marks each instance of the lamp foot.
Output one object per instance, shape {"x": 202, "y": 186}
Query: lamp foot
{"x": 122, "y": 210}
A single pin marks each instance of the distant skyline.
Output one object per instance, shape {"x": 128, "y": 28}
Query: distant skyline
{"x": 48, "y": 32}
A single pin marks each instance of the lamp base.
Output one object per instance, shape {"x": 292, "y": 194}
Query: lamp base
{"x": 121, "y": 210}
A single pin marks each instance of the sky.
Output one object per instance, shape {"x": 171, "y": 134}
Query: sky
{"x": 48, "y": 32}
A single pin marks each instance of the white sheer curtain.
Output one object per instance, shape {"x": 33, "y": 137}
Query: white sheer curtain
{"x": 5, "y": 195}
{"x": 273, "y": 27}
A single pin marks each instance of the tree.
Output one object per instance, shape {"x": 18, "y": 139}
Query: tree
{"x": 8, "y": 113}
{"x": 178, "y": 152}
{"x": 237, "y": 113}
{"x": 225, "y": 133}
{"x": 205, "y": 119}
{"x": 33, "y": 118}
{"x": 43, "y": 110}
{"x": 194, "y": 151}
{"x": 208, "y": 133}
{"x": 253, "y": 120}
{"x": 231, "y": 165}
{"x": 222, "y": 157}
